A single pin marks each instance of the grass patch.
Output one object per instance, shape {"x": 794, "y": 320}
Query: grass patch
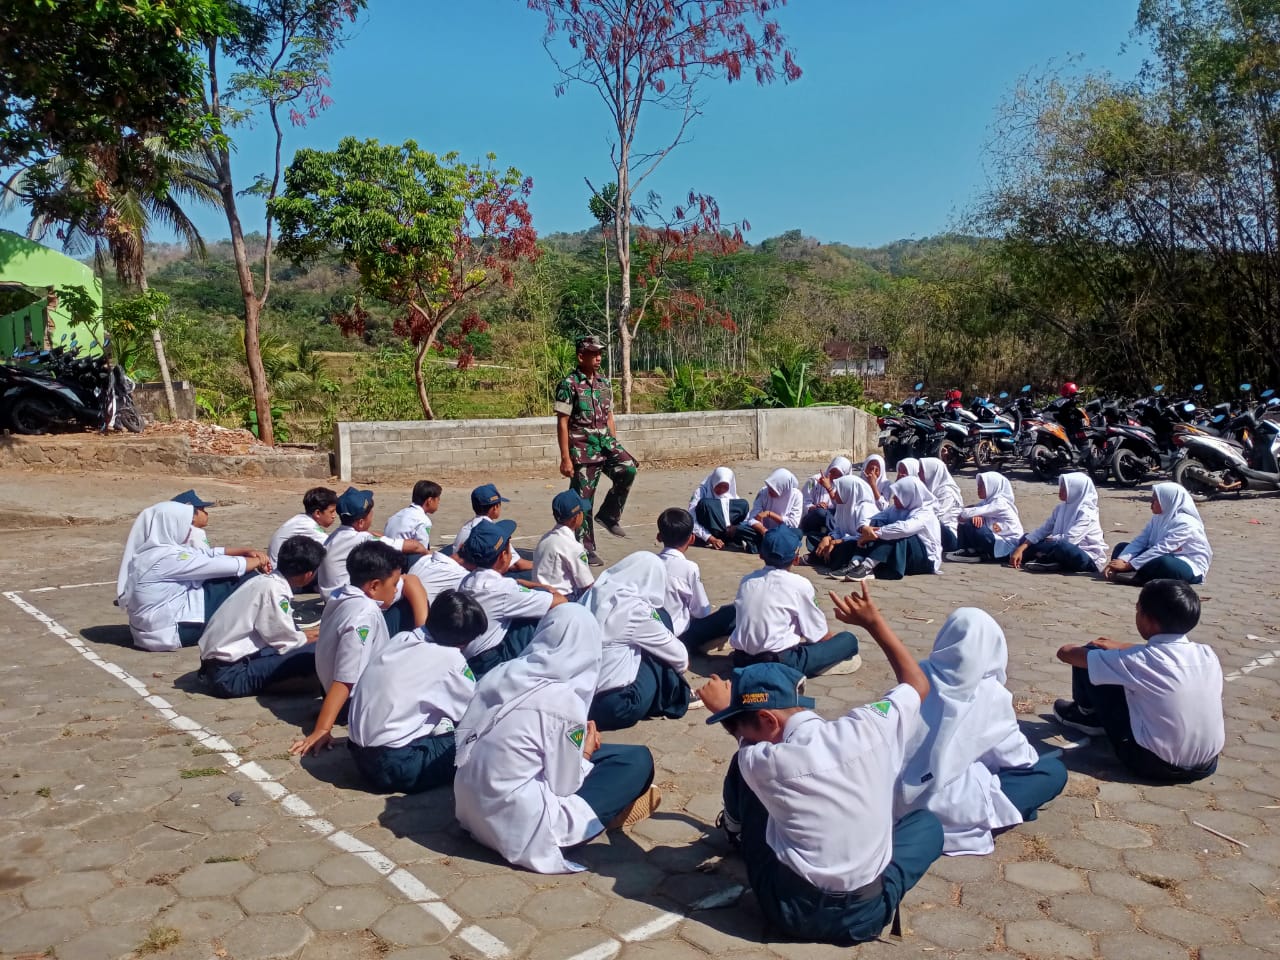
{"x": 201, "y": 772}
{"x": 1035, "y": 847}
{"x": 158, "y": 939}
{"x": 199, "y": 750}
{"x": 1164, "y": 883}
{"x": 223, "y": 859}
{"x": 45, "y": 792}
{"x": 161, "y": 879}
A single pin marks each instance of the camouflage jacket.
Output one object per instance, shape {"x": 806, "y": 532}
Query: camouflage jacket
{"x": 587, "y": 402}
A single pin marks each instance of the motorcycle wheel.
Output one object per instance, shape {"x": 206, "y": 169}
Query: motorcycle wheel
{"x": 1197, "y": 479}
{"x": 130, "y": 418}
{"x": 1044, "y": 463}
{"x": 952, "y": 455}
{"x": 983, "y": 454}
{"x": 893, "y": 452}
{"x": 1128, "y": 468}
{"x": 33, "y": 415}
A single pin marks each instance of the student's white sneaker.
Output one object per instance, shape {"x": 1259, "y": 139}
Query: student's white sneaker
{"x": 962, "y": 556}
{"x": 852, "y": 665}
{"x": 695, "y": 703}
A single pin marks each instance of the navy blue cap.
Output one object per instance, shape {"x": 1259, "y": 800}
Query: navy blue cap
{"x": 486, "y": 541}
{"x": 486, "y": 496}
{"x": 764, "y": 686}
{"x": 779, "y": 546}
{"x": 567, "y": 505}
{"x": 354, "y": 504}
{"x": 192, "y": 499}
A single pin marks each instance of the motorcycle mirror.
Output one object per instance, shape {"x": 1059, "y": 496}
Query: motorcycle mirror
{"x": 1198, "y": 388}
{"x": 888, "y": 406}
{"x": 1267, "y": 394}
{"x": 919, "y": 386}
{"x": 1026, "y": 389}
{"x": 1219, "y": 418}
{"x": 1188, "y": 408}
{"x": 1246, "y": 387}
{"x": 1003, "y": 395}
{"x": 1158, "y": 388}
{"x": 63, "y": 338}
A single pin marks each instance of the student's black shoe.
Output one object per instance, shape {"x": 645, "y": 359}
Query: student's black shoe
{"x": 593, "y": 559}
{"x": 732, "y": 830}
{"x": 1041, "y": 566}
{"x": 1069, "y": 714}
{"x": 613, "y": 527}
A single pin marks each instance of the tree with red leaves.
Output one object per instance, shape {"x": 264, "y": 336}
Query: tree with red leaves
{"x": 635, "y": 53}
{"x": 424, "y": 232}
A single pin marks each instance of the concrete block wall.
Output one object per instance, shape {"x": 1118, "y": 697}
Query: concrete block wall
{"x": 370, "y": 451}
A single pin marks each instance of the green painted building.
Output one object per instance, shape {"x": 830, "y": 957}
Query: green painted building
{"x": 33, "y": 301}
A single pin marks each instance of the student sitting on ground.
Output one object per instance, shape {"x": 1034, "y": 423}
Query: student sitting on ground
{"x": 810, "y": 801}
{"x": 512, "y": 607}
{"x": 968, "y": 763}
{"x": 142, "y": 533}
{"x": 198, "y": 535}
{"x": 643, "y": 663}
{"x": 1159, "y": 703}
{"x": 686, "y": 602}
{"x": 560, "y": 561}
{"x": 437, "y": 572}
{"x": 818, "y": 504}
{"x": 486, "y": 503}
{"x": 414, "y": 521}
{"x": 1172, "y": 546}
{"x": 172, "y": 588}
{"x": 1071, "y": 540}
{"x": 355, "y": 510}
{"x": 533, "y": 777}
{"x": 718, "y": 511}
{"x": 948, "y": 501}
{"x": 778, "y": 504}
{"x": 874, "y": 472}
{"x": 778, "y": 618}
{"x": 319, "y": 510}
{"x": 992, "y": 529}
{"x": 854, "y": 506}
{"x": 902, "y": 541}
{"x": 252, "y": 642}
{"x": 414, "y": 690}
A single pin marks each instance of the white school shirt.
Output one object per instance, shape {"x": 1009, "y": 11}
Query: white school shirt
{"x": 332, "y": 574}
{"x": 258, "y": 615}
{"x": 518, "y": 792}
{"x": 560, "y": 561}
{"x": 1179, "y": 540}
{"x": 300, "y": 525}
{"x": 503, "y": 600}
{"x": 350, "y": 628}
{"x": 1000, "y": 512}
{"x": 197, "y": 537}
{"x": 1174, "y": 690}
{"x": 172, "y": 592}
{"x": 438, "y": 573}
{"x": 410, "y": 688}
{"x": 686, "y": 599}
{"x": 620, "y": 656}
{"x": 924, "y": 524}
{"x": 776, "y": 610}
{"x": 411, "y": 523}
{"x": 828, "y": 773}
{"x": 467, "y": 527}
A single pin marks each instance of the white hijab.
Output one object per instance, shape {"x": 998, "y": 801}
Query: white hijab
{"x": 627, "y": 593}
{"x": 1177, "y": 513}
{"x": 707, "y": 491}
{"x": 1081, "y": 504}
{"x": 913, "y": 496}
{"x": 911, "y": 466}
{"x": 939, "y": 482}
{"x": 564, "y": 652}
{"x": 166, "y": 530}
{"x": 856, "y": 505}
{"x": 998, "y": 487}
{"x": 842, "y": 467}
{"x": 139, "y": 535}
{"x": 779, "y": 487}
{"x": 882, "y": 487}
{"x": 968, "y": 711}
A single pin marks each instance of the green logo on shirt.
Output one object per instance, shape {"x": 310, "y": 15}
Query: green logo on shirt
{"x": 882, "y": 707}
{"x": 582, "y": 557}
{"x": 284, "y": 605}
{"x": 656, "y": 616}
{"x": 466, "y": 672}
{"x": 184, "y": 556}
{"x": 362, "y": 633}
{"x": 525, "y": 590}
{"x": 577, "y": 735}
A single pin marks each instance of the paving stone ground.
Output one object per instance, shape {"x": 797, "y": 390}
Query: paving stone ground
{"x": 117, "y": 837}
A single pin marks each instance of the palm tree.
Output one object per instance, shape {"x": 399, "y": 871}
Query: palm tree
{"x": 95, "y": 208}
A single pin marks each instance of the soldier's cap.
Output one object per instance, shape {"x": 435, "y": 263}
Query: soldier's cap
{"x": 486, "y": 542}
{"x": 779, "y": 546}
{"x": 589, "y": 344}
{"x": 567, "y": 505}
{"x": 192, "y": 499}
{"x": 354, "y": 504}
{"x": 485, "y": 496}
{"x": 764, "y": 686}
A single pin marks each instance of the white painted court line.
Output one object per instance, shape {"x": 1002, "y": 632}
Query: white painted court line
{"x": 664, "y": 921}
{"x": 1268, "y": 658}
{"x": 67, "y": 586}
{"x": 292, "y": 805}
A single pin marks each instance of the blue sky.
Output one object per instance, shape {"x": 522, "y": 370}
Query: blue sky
{"x": 881, "y": 139}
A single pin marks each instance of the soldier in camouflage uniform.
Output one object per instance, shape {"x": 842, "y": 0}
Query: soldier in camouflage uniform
{"x": 589, "y": 446}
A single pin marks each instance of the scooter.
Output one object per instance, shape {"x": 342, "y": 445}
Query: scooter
{"x": 1208, "y": 466}
{"x": 56, "y": 390}
{"x": 912, "y": 433}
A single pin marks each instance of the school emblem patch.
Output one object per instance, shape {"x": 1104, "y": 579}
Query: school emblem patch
{"x": 656, "y": 616}
{"x": 525, "y": 590}
{"x": 582, "y": 557}
{"x": 284, "y": 605}
{"x": 882, "y": 707}
{"x": 362, "y": 633}
{"x": 577, "y": 735}
{"x": 466, "y": 672}
{"x": 184, "y": 556}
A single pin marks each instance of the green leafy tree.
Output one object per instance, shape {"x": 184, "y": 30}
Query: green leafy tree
{"x": 426, "y": 233}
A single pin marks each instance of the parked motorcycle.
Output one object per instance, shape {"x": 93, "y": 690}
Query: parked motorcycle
{"x": 1244, "y": 456}
{"x": 913, "y": 432}
{"x": 57, "y": 389}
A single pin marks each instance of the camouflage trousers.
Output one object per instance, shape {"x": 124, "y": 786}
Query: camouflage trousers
{"x": 620, "y": 467}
